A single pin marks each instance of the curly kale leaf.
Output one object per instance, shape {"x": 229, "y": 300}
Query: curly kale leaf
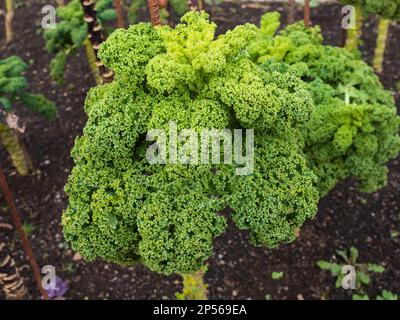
{"x": 279, "y": 196}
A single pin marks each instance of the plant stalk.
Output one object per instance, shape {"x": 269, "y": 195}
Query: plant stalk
{"x": 383, "y": 31}
{"x": 192, "y": 5}
{"x": 291, "y": 11}
{"x": 96, "y": 37}
{"x": 194, "y": 287}
{"x": 354, "y": 35}
{"x": 91, "y": 58}
{"x": 18, "y": 153}
{"x": 200, "y": 5}
{"x": 8, "y": 20}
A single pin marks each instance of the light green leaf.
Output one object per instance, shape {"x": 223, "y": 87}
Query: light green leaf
{"x": 354, "y": 254}
{"x": 360, "y": 297}
{"x": 375, "y": 268}
{"x": 363, "y": 278}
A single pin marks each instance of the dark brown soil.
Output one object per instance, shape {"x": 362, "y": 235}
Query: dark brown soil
{"x": 237, "y": 270}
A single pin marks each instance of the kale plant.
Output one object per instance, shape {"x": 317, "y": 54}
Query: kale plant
{"x": 13, "y": 89}
{"x": 355, "y": 128}
{"x": 71, "y": 34}
{"x": 363, "y": 272}
{"x": 126, "y": 210}
{"x": 387, "y": 10}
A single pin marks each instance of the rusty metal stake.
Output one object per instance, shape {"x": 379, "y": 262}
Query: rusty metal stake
{"x": 307, "y": 13}
{"x": 154, "y": 8}
{"x": 18, "y": 224}
{"x": 120, "y": 14}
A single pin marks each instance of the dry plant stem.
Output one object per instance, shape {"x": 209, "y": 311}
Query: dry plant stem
{"x": 291, "y": 11}
{"x": 10, "y": 138}
{"x": 383, "y": 31}
{"x": 6, "y": 226}
{"x": 10, "y": 279}
{"x": 213, "y": 7}
{"x": 192, "y": 5}
{"x": 96, "y": 37}
{"x": 343, "y": 33}
{"x": 120, "y": 14}
{"x": 154, "y": 8}
{"x": 200, "y": 4}
{"x": 18, "y": 224}
{"x": 91, "y": 58}
{"x": 307, "y": 13}
{"x": 25, "y": 153}
{"x": 353, "y": 35}
{"x": 8, "y": 20}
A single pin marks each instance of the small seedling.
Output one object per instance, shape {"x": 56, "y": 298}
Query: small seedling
{"x": 275, "y": 275}
{"x": 387, "y": 295}
{"x": 363, "y": 271}
{"x": 28, "y": 228}
{"x": 359, "y": 297}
